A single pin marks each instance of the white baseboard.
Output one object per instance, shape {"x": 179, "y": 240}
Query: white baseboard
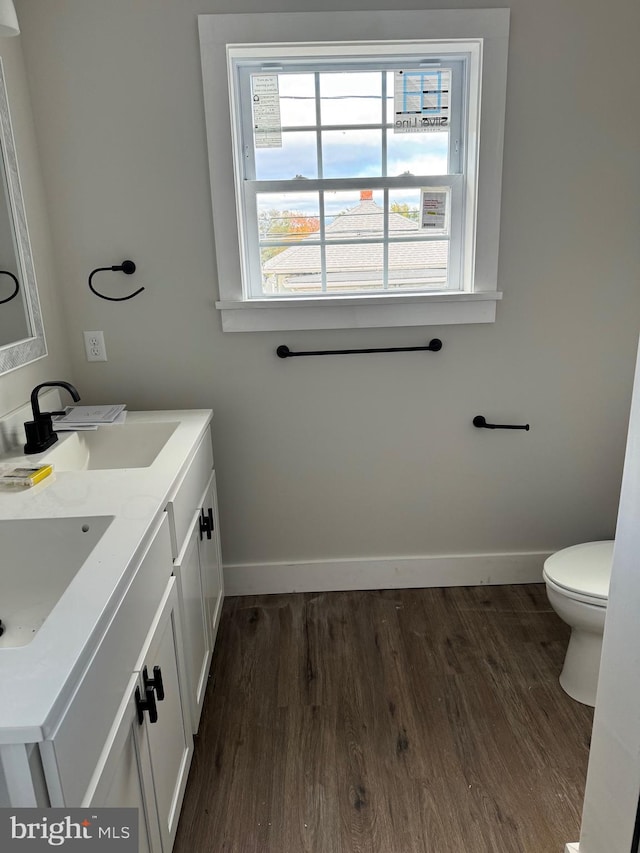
{"x": 386, "y": 573}
{"x": 572, "y": 848}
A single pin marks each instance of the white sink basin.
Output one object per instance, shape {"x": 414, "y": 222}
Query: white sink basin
{"x": 108, "y": 447}
{"x": 40, "y": 558}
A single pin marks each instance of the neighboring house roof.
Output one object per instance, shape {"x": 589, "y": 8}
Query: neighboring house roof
{"x": 364, "y": 220}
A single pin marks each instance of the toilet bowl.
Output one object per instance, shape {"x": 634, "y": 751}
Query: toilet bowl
{"x": 577, "y": 581}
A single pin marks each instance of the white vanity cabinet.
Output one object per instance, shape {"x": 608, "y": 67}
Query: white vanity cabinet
{"x": 145, "y": 761}
{"x": 210, "y": 554}
{"x": 131, "y": 636}
{"x": 137, "y": 753}
{"x": 193, "y": 514}
{"x": 92, "y": 708}
{"x": 124, "y": 777}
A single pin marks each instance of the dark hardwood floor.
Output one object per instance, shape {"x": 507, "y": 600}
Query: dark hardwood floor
{"x": 401, "y": 721}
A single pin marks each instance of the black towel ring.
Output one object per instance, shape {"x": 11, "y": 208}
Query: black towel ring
{"x": 17, "y": 288}
{"x": 128, "y": 268}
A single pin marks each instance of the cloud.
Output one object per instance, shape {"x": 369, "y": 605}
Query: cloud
{"x": 354, "y": 154}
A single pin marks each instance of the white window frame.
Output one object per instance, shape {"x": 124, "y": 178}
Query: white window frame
{"x": 465, "y": 63}
{"x": 487, "y": 30}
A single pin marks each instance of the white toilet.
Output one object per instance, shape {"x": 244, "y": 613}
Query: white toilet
{"x": 577, "y": 580}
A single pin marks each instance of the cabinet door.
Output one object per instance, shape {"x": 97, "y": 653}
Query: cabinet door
{"x": 198, "y": 570}
{"x": 211, "y": 560}
{"x": 93, "y": 707}
{"x": 170, "y": 739}
{"x": 194, "y": 619}
{"x": 123, "y": 777}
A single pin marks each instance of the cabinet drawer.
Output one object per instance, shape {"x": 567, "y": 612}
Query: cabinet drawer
{"x": 74, "y": 749}
{"x": 188, "y": 493}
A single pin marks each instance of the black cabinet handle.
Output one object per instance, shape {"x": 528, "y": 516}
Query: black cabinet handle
{"x": 206, "y": 523}
{"x": 154, "y": 683}
{"x": 146, "y": 704}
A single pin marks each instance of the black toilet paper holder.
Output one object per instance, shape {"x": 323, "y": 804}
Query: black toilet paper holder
{"x": 481, "y": 422}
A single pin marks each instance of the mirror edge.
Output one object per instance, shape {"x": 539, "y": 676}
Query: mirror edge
{"x": 29, "y": 349}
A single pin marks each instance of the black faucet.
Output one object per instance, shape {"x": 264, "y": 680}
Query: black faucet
{"x": 39, "y": 431}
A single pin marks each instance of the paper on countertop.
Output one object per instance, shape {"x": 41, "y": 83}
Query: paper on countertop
{"x": 89, "y": 417}
{"x": 74, "y": 427}
{"x": 71, "y": 427}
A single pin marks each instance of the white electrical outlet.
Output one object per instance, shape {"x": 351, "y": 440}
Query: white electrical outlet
{"x": 94, "y": 346}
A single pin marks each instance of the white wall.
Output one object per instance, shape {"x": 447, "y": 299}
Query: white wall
{"x": 613, "y": 779}
{"x": 354, "y": 456}
{"x": 16, "y": 386}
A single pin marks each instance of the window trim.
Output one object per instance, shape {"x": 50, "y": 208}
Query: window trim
{"x": 279, "y": 30}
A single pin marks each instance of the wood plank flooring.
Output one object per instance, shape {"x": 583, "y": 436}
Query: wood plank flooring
{"x": 398, "y": 721}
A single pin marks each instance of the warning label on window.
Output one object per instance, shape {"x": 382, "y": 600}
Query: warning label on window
{"x": 265, "y": 99}
{"x": 433, "y": 209}
{"x": 421, "y": 100}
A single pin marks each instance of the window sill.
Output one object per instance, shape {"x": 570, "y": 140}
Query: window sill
{"x": 437, "y": 309}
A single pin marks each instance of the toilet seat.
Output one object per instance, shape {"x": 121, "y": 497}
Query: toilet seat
{"x": 592, "y": 601}
{"x": 582, "y": 572}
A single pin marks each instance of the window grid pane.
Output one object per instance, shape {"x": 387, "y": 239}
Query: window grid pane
{"x": 366, "y": 247}
{"x": 309, "y": 251}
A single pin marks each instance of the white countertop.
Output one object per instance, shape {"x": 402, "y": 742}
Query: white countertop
{"x": 36, "y": 679}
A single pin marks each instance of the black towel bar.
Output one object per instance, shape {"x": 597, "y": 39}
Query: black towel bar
{"x": 481, "y": 422}
{"x": 433, "y": 346}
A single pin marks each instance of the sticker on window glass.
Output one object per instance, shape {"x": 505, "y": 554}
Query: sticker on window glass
{"x": 265, "y": 101}
{"x": 421, "y": 101}
{"x": 433, "y": 209}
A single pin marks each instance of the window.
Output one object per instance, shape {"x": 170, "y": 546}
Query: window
{"x": 355, "y": 182}
{"x": 347, "y": 172}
